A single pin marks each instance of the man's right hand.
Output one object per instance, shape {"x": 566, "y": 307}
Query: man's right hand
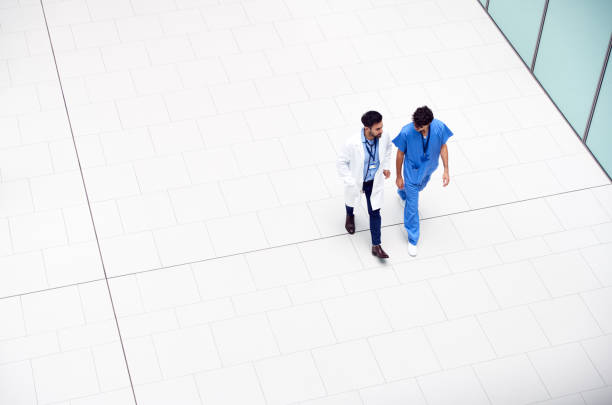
{"x": 399, "y": 182}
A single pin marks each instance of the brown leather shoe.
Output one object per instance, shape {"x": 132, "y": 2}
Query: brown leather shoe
{"x": 350, "y": 224}
{"x": 379, "y": 252}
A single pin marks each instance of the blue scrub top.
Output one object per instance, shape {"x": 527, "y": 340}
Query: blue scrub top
{"x": 371, "y": 162}
{"x": 418, "y": 166}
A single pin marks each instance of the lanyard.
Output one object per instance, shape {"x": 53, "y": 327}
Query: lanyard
{"x": 425, "y": 143}
{"x": 371, "y": 154}
{"x": 369, "y": 149}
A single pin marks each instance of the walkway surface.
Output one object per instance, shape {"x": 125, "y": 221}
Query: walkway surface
{"x": 171, "y": 221}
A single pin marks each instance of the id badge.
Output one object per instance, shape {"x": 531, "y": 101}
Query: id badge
{"x": 373, "y": 166}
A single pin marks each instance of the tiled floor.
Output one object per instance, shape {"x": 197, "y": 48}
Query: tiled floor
{"x": 171, "y": 223}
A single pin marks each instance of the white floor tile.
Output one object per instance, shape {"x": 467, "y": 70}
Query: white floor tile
{"x": 299, "y": 185}
{"x": 488, "y": 152}
{"x": 565, "y": 273}
{"x": 146, "y": 212}
{"x": 421, "y": 269}
{"x": 17, "y": 386}
{"x": 515, "y": 284}
{"x": 249, "y": 194}
{"x": 289, "y": 378}
{"x": 472, "y": 259}
{"x": 565, "y": 370}
{"x": 578, "y": 171}
{"x": 596, "y": 397}
{"x": 176, "y": 137}
{"x": 53, "y": 309}
{"x": 236, "y": 234}
{"x": 456, "y": 386}
{"x": 261, "y": 301}
{"x": 494, "y": 86}
{"x": 186, "y": 351}
{"x": 78, "y": 376}
{"x": 347, "y": 366}
{"x": 490, "y": 118}
{"x": 356, "y": 316}
{"x": 166, "y": 288}
{"x": 211, "y": 165}
{"x": 73, "y": 263}
{"x": 219, "y": 387}
{"x": 463, "y": 294}
{"x": 565, "y": 320}
{"x": 316, "y": 290}
{"x": 326, "y": 110}
{"x": 448, "y": 93}
{"x": 459, "y": 342}
{"x": 244, "y": 339}
{"x": 511, "y": 380}
{"x": 248, "y": 156}
{"x": 404, "y": 354}
{"x": 402, "y": 392}
{"x": 482, "y": 228}
{"x": 531, "y": 180}
{"x": 599, "y": 350}
{"x": 513, "y": 331}
{"x": 598, "y": 302}
{"x": 276, "y": 267}
{"x": 410, "y": 305}
{"x": 345, "y": 259}
{"x": 301, "y": 327}
{"x": 142, "y": 360}
{"x": 289, "y": 224}
{"x": 198, "y": 203}
{"x": 205, "y": 312}
{"x": 223, "y": 277}
{"x": 485, "y": 189}
{"x": 183, "y": 390}
{"x": 530, "y": 218}
{"x": 129, "y": 253}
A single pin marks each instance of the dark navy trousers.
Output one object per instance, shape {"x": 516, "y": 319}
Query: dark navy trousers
{"x": 375, "y": 219}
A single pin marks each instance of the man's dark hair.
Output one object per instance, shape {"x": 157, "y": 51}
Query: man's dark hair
{"x": 370, "y": 118}
{"x": 422, "y": 116}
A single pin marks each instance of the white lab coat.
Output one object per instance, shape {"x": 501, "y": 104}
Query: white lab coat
{"x": 350, "y": 168}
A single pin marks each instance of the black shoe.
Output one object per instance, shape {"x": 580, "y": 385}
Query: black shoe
{"x": 349, "y": 224}
{"x": 379, "y": 252}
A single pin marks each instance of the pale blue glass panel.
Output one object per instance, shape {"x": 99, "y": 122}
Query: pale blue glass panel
{"x": 571, "y": 53}
{"x": 520, "y": 21}
{"x": 599, "y": 139}
{"x": 484, "y": 2}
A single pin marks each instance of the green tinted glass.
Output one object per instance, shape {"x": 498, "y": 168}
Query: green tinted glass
{"x": 599, "y": 139}
{"x": 520, "y": 21}
{"x": 571, "y": 53}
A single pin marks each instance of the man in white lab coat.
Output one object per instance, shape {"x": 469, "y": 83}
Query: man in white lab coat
{"x": 363, "y": 165}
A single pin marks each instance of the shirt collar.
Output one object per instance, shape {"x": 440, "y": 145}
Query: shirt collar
{"x": 365, "y": 140}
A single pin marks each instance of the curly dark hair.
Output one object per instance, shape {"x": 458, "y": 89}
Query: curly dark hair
{"x": 422, "y": 116}
{"x": 370, "y": 118}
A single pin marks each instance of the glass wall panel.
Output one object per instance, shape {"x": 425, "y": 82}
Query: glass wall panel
{"x": 520, "y": 21}
{"x": 599, "y": 139}
{"x": 484, "y": 2}
{"x": 571, "y": 53}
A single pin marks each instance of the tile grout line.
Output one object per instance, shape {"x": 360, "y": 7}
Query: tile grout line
{"x": 59, "y": 79}
{"x": 288, "y": 244}
{"x": 366, "y": 230}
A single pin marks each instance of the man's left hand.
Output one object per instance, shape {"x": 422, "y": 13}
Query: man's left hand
{"x": 445, "y": 178}
{"x": 387, "y": 173}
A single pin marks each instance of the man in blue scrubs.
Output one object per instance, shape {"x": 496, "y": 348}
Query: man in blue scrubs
{"x": 419, "y": 146}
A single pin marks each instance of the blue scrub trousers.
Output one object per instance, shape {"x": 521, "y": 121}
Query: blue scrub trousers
{"x": 410, "y": 194}
{"x": 375, "y": 219}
